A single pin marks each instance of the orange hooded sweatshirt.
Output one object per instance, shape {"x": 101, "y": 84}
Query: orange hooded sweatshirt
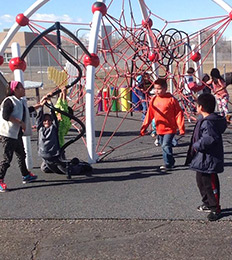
{"x": 167, "y": 113}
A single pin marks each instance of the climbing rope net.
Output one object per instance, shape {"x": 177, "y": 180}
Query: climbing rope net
{"x": 125, "y": 54}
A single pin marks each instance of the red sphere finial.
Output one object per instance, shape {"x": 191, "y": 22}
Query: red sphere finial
{"x": 148, "y": 22}
{"x": 1, "y": 60}
{"x": 99, "y": 6}
{"x": 153, "y": 56}
{"x": 93, "y": 60}
{"x": 230, "y": 15}
{"x": 196, "y": 56}
{"x": 17, "y": 63}
{"x": 22, "y": 20}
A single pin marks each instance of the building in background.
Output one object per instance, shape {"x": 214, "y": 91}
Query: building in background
{"x": 24, "y": 39}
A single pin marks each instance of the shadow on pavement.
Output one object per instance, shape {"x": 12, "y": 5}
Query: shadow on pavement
{"x": 226, "y": 212}
{"x": 91, "y": 179}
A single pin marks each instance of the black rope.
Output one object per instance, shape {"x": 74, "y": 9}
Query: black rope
{"x": 58, "y": 27}
{"x": 81, "y": 130}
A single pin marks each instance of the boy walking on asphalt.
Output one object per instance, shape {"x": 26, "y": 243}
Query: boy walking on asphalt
{"x": 206, "y": 155}
{"x": 168, "y": 115}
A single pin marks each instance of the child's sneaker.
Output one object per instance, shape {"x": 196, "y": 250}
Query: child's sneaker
{"x": 3, "y": 187}
{"x": 213, "y": 216}
{"x": 165, "y": 168}
{"x": 29, "y": 178}
{"x": 203, "y": 208}
{"x": 156, "y": 143}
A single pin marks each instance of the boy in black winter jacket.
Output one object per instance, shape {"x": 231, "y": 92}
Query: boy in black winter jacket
{"x": 206, "y": 155}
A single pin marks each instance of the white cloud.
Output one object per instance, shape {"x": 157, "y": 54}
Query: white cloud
{"x": 54, "y": 18}
{"x": 7, "y": 18}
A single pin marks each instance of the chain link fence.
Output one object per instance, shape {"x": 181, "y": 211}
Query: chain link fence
{"x": 39, "y": 59}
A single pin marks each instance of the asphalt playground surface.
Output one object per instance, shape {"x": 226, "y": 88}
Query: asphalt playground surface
{"x": 127, "y": 208}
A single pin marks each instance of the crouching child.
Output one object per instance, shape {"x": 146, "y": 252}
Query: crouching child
{"x": 53, "y": 158}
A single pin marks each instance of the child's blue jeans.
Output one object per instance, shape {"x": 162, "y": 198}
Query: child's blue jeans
{"x": 166, "y": 143}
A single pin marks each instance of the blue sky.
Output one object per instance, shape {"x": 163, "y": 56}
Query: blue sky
{"x": 80, "y": 11}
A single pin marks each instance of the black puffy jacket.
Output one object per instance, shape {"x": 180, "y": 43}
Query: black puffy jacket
{"x": 206, "y": 152}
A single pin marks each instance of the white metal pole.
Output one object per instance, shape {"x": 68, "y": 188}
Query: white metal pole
{"x": 18, "y": 76}
{"x": 90, "y": 77}
{"x": 224, "y": 5}
{"x": 171, "y": 81}
{"x": 196, "y": 63}
{"x": 214, "y": 52}
{"x": 224, "y": 71}
{"x": 187, "y": 59}
{"x": 200, "y": 61}
{"x": 29, "y": 12}
{"x": 231, "y": 50}
{"x": 150, "y": 39}
{"x": 228, "y": 9}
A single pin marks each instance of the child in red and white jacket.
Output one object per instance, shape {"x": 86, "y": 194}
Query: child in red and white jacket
{"x": 169, "y": 117}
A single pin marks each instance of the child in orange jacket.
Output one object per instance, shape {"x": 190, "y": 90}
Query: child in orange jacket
{"x": 169, "y": 117}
